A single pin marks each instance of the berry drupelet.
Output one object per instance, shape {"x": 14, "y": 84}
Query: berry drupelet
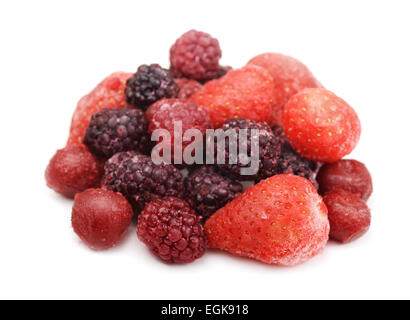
{"x": 207, "y": 190}
{"x": 269, "y": 150}
{"x": 149, "y": 84}
{"x": 140, "y": 180}
{"x": 116, "y": 130}
{"x": 172, "y": 230}
{"x": 195, "y": 55}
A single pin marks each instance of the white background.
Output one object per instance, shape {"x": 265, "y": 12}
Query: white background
{"x": 53, "y": 52}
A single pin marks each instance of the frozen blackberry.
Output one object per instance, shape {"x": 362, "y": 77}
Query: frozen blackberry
{"x": 149, "y": 84}
{"x": 116, "y": 130}
{"x": 172, "y": 230}
{"x": 140, "y": 180}
{"x": 195, "y": 55}
{"x": 269, "y": 150}
{"x": 207, "y": 190}
{"x": 291, "y": 162}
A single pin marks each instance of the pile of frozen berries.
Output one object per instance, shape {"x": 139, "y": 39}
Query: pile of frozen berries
{"x": 303, "y": 191}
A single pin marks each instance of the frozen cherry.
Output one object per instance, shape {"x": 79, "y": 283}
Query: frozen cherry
{"x": 349, "y": 216}
{"x": 101, "y": 217}
{"x": 349, "y": 175}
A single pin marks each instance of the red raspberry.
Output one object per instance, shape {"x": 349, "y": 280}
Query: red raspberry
{"x": 108, "y": 94}
{"x": 187, "y": 87}
{"x": 242, "y": 93}
{"x": 101, "y": 217}
{"x": 172, "y": 230}
{"x": 72, "y": 170}
{"x": 195, "y": 55}
{"x": 348, "y": 175}
{"x": 291, "y": 76}
{"x": 349, "y": 216}
{"x": 281, "y": 220}
{"x": 165, "y": 112}
{"x": 321, "y": 126}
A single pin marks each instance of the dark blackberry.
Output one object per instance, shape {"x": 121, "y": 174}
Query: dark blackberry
{"x": 149, "y": 84}
{"x": 269, "y": 150}
{"x": 291, "y": 162}
{"x": 172, "y": 230}
{"x": 206, "y": 190}
{"x": 116, "y": 130}
{"x": 140, "y": 180}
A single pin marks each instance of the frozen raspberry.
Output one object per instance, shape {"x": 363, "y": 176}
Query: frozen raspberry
{"x": 281, "y": 220}
{"x": 269, "y": 150}
{"x": 72, "y": 170}
{"x": 207, "y": 190}
{"x": 172, "y": 230}
{"x": 195, "y": 55}
{"x": 349, "y": 216}
{"x": 109, "y": 94}
{"x": 117, "y": 130}
{"x": 321, "y": 126}
{"x": 149, "y": 84}
{"x": 348, "y": 175}
{"x": 291, "y": 76}
{"x": 101, "y": 217}
{"x": 241, "y": 93}
{"x": 187, "y": 87}
{"x": 168, "y": 114}
{"x": 140, "y": 180}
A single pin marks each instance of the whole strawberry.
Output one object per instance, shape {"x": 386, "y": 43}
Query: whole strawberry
{"x": 291, "y": 76}
{"x": 281, "y": 220}
{"x": 243, "y": 93}
{"x": 321, "y": 126}
{"x": 108, "y": 94}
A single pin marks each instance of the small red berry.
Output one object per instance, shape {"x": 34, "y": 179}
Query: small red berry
{"x": 101, "y": 217}
{"x": 321, "y": 126}
{"x": 187, "y": 87}
{"x": 195, "y": 55}
{"x": 348, "y": 175}
{"x": 165, "y": 113}
{"x": 172, "y": 230}
{"x": 349, "y": 216}
{"x": 72, "y": 170}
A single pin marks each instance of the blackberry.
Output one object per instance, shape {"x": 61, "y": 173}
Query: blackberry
{"x": 206, "y": 190}
{"x": 116, "y": 130}
{"x": 269, "y": 150}
{"x": 195, "y": 55}
{"x": 149, "y": 84}
{"x": 140, "y": 180}
{"x": 291, "y": 162}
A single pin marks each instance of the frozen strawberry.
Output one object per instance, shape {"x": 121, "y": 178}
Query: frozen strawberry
{"x": 290, "y": 77}
{"x": 281, "y": 220}
{"x": 187, "y": 87}
{"x": 101, "y": 217}
{"x": 72, "y": 170}
{"x": 167, "y": 114}
{"x": 348, "y": 175}
{"x": 321, "y": 126}
{"x": 108, "y": 94}
{"x": 349, "y": 216}
{"x": 242, "y": 93}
